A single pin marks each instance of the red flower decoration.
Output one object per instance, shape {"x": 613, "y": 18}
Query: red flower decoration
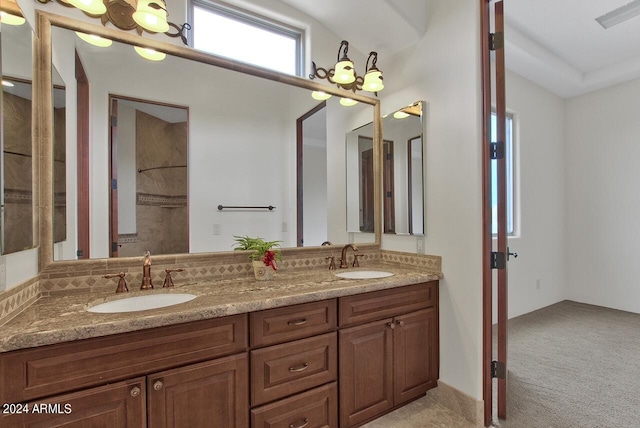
{"x": 270, "y": 259}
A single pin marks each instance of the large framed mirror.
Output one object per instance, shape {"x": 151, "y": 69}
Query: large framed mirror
{"x": 403, "y": 159}
{"x": 241, "y": 131}
{"x": 16, "y": 157}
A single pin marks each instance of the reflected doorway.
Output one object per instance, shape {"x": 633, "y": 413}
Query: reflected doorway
{"x": 311, "y": 166}
{"x": 148, "y": 178}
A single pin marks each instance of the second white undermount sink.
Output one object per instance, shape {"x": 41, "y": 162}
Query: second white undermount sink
{"x": 364, "y": 274}
{"x": 142, "y": 303}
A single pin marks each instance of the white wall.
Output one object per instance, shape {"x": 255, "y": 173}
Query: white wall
{"x": 443, "y": 69}
{"x": 540, "y": 212}
{"x": 603, "y": 202}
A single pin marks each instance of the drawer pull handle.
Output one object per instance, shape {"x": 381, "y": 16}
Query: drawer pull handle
{"x": 135, "y": 391}
{"x": 301, "y": 321}
{"x": 299, "y": 368}
{"x": 305, "y": 422}
{"x": 158, "y": 385}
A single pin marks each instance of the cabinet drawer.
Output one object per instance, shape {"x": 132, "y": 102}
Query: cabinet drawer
{"x": 317, "y": 408}
{"x": 361, "y": 308}
{"x": 282, "y": 370}
{"x": 39, "y": 372}
{"x": 292, "y": 322}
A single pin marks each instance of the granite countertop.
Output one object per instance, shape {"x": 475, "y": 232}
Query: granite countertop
{"x": 63, "y": 318}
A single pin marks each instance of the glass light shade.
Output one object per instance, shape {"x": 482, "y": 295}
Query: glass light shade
{"x": 344, "y": 72}
{"x": 92, "y": 7}
{"x": 149, "y": 18}
{"x": 373, "y": 81}
{"x": 8, "y": 84}
{"x": 348, "y": 102}
{"x": 94, "y": 40}
{"x": 10, "y": 19}
{"x": 320, "y": 96}
{"x": 150, "y": 54}
{"x": 400, "y": 114}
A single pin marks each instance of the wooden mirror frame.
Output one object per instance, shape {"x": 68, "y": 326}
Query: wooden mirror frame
{"x": 43, "y": 121}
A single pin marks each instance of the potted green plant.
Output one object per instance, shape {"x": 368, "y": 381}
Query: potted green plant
{"x": 263, "y": 257}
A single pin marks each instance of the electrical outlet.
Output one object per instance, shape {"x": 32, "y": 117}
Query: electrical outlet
{"x": 419, "y": 245}
{"x": 538, "y": 281}
{"x": 217, "y": 230}
{"x": 285, "y": 226}
{"x": 3, "y": 273}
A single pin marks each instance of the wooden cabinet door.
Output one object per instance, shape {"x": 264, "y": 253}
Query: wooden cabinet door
{"x": 415, "y": 352}
{"x": 119, "y": 405}
{"x": 213, "y": 394}
{"x": 366, "y": 371}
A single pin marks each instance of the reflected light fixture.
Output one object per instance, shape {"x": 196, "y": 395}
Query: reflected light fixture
{"x": 11, "y": 19}
{"x": 94, "y": 40}
{"x": 344, "y": 75}
{"x": 320, "y": 95}
{"x": 150, "y": 54}
{"x": 139, "y": 15}
{"x": 348, "y": 102}
{"x": 400, "y": 114}
{"x": 8, "y": 84}
{"x": 92, "y": 7}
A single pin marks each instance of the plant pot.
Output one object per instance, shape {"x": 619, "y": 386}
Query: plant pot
{"x": 261, "y": 271}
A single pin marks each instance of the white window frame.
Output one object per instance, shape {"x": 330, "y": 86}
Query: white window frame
{"x": 255, "y": 20}
{"x": 510, "y": 151}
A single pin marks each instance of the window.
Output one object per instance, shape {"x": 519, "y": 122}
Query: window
{"x": 508, "y": 147}
{"x": 237, "y": 35}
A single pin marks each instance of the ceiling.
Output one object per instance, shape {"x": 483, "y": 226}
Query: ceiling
{"x": 556, "y": 44}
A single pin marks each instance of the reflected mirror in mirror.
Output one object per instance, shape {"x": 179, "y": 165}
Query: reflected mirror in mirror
{"x": 242, "y": 138}
{"x": 16, "y": 192}
{"x": 403, "y": 173}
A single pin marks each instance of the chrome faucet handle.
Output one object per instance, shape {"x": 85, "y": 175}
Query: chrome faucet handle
{"x": 122, "y": 283}
{"x": 168, "y": 281}
{"x": 332, "y": 263}
{"x": 355, "y": 260}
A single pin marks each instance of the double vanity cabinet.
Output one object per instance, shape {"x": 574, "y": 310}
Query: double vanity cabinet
{"x": 331, "y": 363}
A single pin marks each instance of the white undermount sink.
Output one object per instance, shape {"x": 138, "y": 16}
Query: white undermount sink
{"x": 364, "y": 274}
{"x": 142, "y": 303}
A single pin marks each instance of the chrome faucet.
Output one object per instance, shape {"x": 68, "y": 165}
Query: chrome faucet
{"x": 146, "y": 272}
{"x": 343, "y": 257}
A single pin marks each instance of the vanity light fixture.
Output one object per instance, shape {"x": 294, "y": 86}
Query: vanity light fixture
{"x": 11, "y": 19}
{"x": 152, "y": 15}
{"x": 139, "y": 15}
{"x": 150, "y": 54}
{"x": 94, "y": 40}
{"x": 344, "y": 75}
{"x": 92, "y": 7}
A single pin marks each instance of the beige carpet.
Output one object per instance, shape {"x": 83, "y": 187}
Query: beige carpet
{"x": 573, "y": 365}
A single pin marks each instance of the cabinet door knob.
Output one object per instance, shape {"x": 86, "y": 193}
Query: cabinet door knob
{"x": 135, "y": 391}
{"x": 400, "y": 323}
{"x": 300, "y": 321}
{"x": 304, "y": 423}
{"x": 157, "y": 385}
{"x": 299, "y": 368}
{"x": 392, "y": 325}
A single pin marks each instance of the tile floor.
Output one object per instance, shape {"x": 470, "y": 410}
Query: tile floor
{"x": 424, "y": 412}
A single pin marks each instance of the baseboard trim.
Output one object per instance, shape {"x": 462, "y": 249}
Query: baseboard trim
{"x": 459, "y": 402}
